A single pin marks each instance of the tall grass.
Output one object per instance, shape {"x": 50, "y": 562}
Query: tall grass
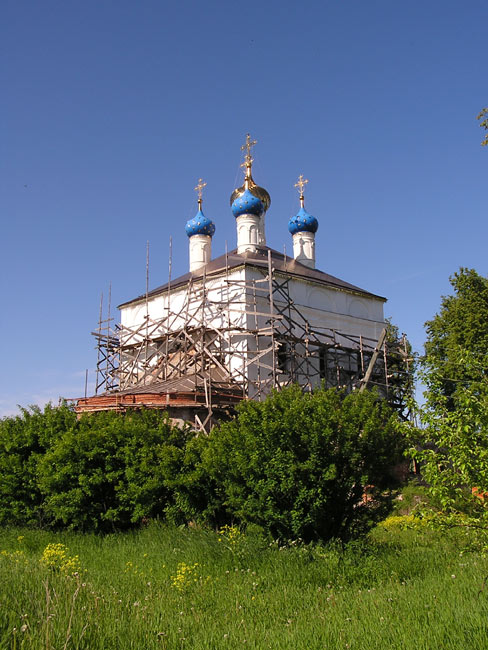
{"x": 164, "y": 587}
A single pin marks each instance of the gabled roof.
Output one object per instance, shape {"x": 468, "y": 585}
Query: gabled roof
{"x": 258, "y": 259}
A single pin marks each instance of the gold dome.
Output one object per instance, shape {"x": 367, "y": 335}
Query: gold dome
{"x": 260, "y": 192}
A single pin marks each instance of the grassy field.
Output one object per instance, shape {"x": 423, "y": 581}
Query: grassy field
{"x": 171, "y": 588}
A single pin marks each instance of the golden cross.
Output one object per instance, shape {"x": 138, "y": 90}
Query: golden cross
{"x": 301, "y": 184}
{"x": 247, "y": 148}
{"x": 199, "y": 189}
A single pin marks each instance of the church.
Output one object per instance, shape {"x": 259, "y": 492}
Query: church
{"x": 240, "y": 324}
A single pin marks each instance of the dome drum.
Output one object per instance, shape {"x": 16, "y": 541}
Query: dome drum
{"x": 304, "y": 248}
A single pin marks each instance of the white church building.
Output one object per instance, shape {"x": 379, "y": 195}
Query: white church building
{"x": 238, "y": 325}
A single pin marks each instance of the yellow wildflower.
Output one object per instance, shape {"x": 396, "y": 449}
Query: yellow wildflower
{"x": 186, "y": 574}
{"x": 55, "y": 556}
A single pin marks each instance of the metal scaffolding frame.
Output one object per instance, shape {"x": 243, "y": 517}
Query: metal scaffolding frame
{"x": 231, "y": 336}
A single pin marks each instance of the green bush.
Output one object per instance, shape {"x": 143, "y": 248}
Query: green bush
{"x": 103, "y": 472}
{"x": 294, "y": 465}
{"x": 297, "y": 464}
{"x": 193, "y": 490}
{"x": 24, "y": 439}
{"x": 112, "y": 471}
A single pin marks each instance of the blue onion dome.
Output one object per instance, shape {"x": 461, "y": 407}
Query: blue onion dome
{"x": 260, "y": 192}
{"x": 303, "y": 222}
{"x": 247, "y": 203}
{"x": 200, "y": 225}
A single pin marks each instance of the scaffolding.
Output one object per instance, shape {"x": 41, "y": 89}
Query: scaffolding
{"x": 232, "y": 336}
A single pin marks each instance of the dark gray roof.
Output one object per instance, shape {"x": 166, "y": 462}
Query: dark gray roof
{"x": 259, "y": 259}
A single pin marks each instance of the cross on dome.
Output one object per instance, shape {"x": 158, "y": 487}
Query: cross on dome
{"x": 249, "y": 184}
{"x": 303, "y": 222}
{"x": 301, "y": 186}
{"x": 249, "y": 144}
{"x": 248, "y": 159}
{"x": 199, "y": 190}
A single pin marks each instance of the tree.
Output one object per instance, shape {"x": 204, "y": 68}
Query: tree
{"x": 296, "y": 464}
{"x": 453, "y": 449}
{"x": 401, "y": 370}
{"x": 484, "y": 124}
{"x": 452, "y": 444}
{"x": 461, "y": 324}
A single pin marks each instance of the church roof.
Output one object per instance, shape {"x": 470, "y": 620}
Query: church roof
{"x": 258, "y": 259}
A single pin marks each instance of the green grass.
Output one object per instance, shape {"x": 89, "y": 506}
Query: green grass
{"x": 395, "y": 590}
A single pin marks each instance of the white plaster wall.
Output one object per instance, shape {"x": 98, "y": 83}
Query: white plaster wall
{"x": 336, "y": 309}
{"x": 224, "y": 307}
{"x": 322, "y": 306}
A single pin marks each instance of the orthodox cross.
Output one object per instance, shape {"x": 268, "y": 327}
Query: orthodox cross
{"x": 199, "y": 190}
{"x": 248, "y": 160}
{"x": 301, "y": 186}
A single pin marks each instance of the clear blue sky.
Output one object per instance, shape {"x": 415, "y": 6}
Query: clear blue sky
{"x": 111, "y": 111}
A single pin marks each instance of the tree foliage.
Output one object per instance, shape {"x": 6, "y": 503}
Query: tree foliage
{"x": 454, "y": 439}
{"x": 401, "y": 370}
{"x": 483, "y": 118}
{"x": 294, "y": 464}
{"x": 297, "y": 464}
{"x": 103, "y": 472}
{"x": 24, "y": 439}
{"x": 462, "y": 323}
{"x": 110, "y": 471}
{"x": 452, "y": 443}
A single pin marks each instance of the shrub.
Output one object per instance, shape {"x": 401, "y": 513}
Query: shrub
{"x": 24, "y": 439}
{"x": 111, "y": 471}
{"x": 192, "y": 489}
{"x": 297, "y": 464}
{"x": 294, "y": 466}
{"x": 394, "y": 523}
